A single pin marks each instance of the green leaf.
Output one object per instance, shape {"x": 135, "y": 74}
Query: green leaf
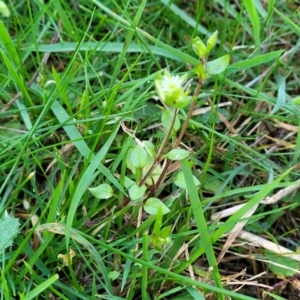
{"x": 296, "y": 100}
{"x": 199, "y": 47}
{"x": 154, "y": 176}
{"x": 113, "y": 275}
{"x": 136, "y": 192}
{"x": 211, "y": 42}
{"x": 149, "y": 147}
{"x": 281, "y": 260}
{"x": 218, "y": 65}
{"x": 214, "y": 184}
{"x": 199, "y": 70}
{"x": 9, "y": 228}
{"x": 177, "y": 154}
{"x": 166, "y": 119}
{"x": 165, "y": 232}
{"x": 102, "y": 191}
{"x": 128, "y": 182}
{"x": 4, "y": 9}
{"x": 153, "y": 204}
{"x": 138, "y": 157}
{"x": 180, "y": 180}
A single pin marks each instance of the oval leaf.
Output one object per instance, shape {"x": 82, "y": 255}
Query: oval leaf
{"x": 149, "y": 147}
{"x": 166, "y": 119}
{"x": 199, "y": 47}
{"x": 180, "y": 181}
{"x": 296, "y": 100}
{"x": 136, "y": 192}
{"x": 138, "y": 157}
{"x": 154, "y": 176}
{"x": 102, "y": 191}
{"x": 113, "y": 275}
{"x": 128, "y": 182}
{"x": 177, "y": 154}
{"x": 153, "y": 204}
{"x": 211, "y": 42}
{"x": 218, "y": 65}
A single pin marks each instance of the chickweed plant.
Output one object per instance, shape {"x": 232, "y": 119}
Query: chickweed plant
{"x": 149, "y": 150}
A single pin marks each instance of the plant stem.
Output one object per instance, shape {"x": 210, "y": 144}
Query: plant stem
{"x": 182, "y": 132}
{"x": 161, "y": 149}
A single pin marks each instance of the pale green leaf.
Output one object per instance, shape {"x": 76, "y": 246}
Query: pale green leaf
{"x": 136, "y": 192}
{"x": 218, "y": 65}
{"x": 138, "y": 157}
{"x": 177, "y": 154}
{"x": 166, "y": 119}
{"x": 153, "y": 204}
{"x": 199, "y": 47}
{"x": 211, "y": 42}
{"x": 102, "y": 191}
{"x": 113, "y": 275}
{"x": 180, "y": 181}
{"x": 296, "y": 100}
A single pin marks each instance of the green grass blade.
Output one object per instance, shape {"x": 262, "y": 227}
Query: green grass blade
{"x": 144, "y": 286}
{"x": 41, "y": 287}
{"x": 179, "y": 278}
{"x": 289, "y": 22}
{"x": 128, "y": 39}
{"x": 185, "y": 17}
{"x": 253, "y": 15}
{"x": 76, "y": 138}
{"x": 62, "y": 229}
{"x": 253, "y": 62}
{"x": 281, "y": 99}
{"x": 201, "y": 222}
{"x": 16, "y": 77}
{"x": 114, "y": 47}
{"x": 9, "y": 45}
{"x": 235, "y": 218}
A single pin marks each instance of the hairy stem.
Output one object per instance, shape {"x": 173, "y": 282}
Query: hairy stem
{"x": 182, "y": 132}
{"x": 161, "y": 149}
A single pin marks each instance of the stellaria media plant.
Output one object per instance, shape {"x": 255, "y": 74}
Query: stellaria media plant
{"x": 149, "y": 165}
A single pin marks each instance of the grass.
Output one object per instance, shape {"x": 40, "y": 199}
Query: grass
{"x": 77, "y": 96}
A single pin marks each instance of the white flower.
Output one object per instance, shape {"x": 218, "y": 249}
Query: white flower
{"x": 171, "y": 90}
{"x": 171, "y": 83}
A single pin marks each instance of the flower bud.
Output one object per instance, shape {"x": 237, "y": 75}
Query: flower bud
{"x": 199, "y": 47}
{"x": 211, "y": 42}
